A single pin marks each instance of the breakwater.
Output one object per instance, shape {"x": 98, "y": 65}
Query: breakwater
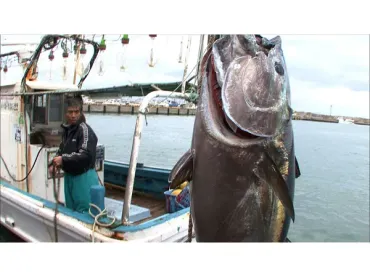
{"x": 329, "y": 118}
{"x": 315, "y": 117}
{"x": 129, "y": 109}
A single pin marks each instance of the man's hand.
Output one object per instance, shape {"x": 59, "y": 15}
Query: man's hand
{"x": 51, "y": 170}
{"x": 57, "y": 161}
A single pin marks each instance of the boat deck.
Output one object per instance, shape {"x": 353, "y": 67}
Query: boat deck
{"x": 157, "y": 207}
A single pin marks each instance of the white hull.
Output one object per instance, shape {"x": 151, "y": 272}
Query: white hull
{"x": 345, "y": 121}
{"x": 33, "y": 222}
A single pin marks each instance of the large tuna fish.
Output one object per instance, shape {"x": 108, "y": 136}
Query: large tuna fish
{"x": 241, "y": 164}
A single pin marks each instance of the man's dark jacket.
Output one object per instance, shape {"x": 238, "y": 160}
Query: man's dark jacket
{"x": 78, "y": 148}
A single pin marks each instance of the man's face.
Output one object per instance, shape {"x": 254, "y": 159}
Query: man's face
{"x": 73, "y": 114}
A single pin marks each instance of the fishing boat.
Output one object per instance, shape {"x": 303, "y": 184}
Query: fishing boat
{"x": 138, "y": 204}
{"x": 343, "y": 120}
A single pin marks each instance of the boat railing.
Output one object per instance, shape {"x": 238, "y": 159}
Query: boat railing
{"x": 136, "y": 144}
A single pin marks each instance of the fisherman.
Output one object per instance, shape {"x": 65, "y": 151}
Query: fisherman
{"x": 76, "y": 156}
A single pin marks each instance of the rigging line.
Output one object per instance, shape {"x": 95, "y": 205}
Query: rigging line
{"x": 199, "y": 62}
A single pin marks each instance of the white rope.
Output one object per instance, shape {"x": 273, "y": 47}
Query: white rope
{"x": 96, "y": 219}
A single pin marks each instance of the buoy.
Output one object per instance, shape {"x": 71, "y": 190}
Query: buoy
{"x": 102, "y": 45}
{"x": 51, "y": 55}
{"x": 102, "y": 48}
{"x": 51, "y": 58}
{"x": 65, "y": 56}
{"x": 83, "y": 49}
{"x": 125, "y": 39}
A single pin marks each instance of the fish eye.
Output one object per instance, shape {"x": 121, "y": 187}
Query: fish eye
{"x": 279, "y": 68}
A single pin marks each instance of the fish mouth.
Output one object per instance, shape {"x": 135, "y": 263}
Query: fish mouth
{"x": 249, "y": 85}
{"x": 227, "y": 126}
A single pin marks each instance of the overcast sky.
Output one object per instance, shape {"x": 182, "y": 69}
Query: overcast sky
{"x": 329, "y": 70}
{"x": 323, "y": 70}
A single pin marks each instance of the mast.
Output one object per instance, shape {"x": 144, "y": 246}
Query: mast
{"x": 200, "y": 54}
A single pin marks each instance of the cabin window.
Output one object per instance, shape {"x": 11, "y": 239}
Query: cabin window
{"x": 56, "y": 107}
{"x": 40, "y": 101}
{"x": 39, "y": 111}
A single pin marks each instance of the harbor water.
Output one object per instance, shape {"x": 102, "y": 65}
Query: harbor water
{"x": 332, "y": 195}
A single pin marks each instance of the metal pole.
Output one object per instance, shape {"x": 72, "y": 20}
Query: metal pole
{"x": 200, "y": 53}
{"x": 18, "y": 44}
{"x": 135, "y": 147}
{"x": 186, "y": 65}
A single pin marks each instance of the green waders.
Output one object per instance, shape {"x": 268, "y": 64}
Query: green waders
{"x": 77, "y": 190}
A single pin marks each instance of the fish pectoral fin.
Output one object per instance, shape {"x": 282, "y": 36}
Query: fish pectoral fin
{"x": 273, "y": 177}
{"x": 297, "y": 170}
{"x": 182, "y": 171}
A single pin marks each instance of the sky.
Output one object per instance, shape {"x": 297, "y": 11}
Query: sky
{"x": 324, "y": 70}
{"x": 329, "y": 70}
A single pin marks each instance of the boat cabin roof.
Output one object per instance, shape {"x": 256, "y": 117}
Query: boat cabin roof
{"x": 42, "y": 85}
